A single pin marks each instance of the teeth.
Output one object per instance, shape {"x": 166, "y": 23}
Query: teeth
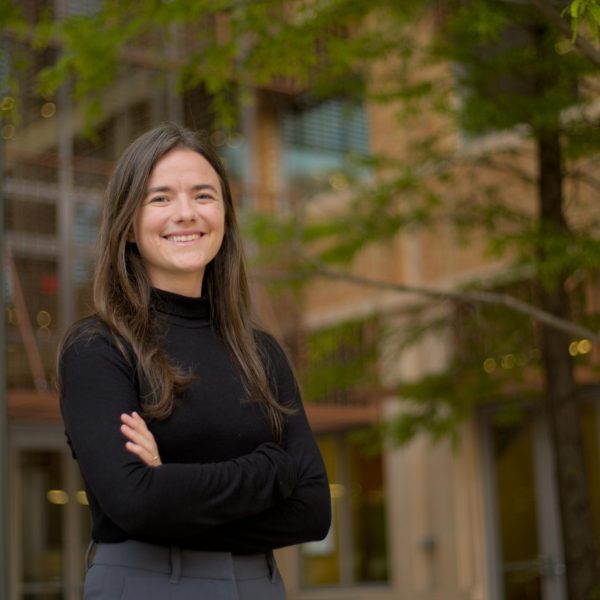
{"x": 184, "y": 238}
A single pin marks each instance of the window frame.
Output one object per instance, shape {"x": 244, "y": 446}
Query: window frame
{"x": 343, "y": 526}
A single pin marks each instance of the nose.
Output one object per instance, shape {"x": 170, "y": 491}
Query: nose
{"x": 184, "y": 209}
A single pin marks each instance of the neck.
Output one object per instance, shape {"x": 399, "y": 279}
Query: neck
{"x": 190, "y": 288}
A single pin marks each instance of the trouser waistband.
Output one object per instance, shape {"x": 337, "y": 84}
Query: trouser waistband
{"x": 178, "y": 562}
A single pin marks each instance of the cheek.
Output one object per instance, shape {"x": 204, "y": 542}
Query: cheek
{"x": 146, "y": 227}
{"x": 218, "y": 221}
{"x": 221, "y": 226}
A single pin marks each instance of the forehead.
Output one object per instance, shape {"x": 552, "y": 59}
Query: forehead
{"x": 183, "y": 166}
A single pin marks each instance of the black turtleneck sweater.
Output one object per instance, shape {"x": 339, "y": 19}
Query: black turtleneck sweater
{"x": 224, "y": 483}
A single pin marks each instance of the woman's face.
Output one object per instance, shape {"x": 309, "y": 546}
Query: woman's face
{"x": 180, "y": 224}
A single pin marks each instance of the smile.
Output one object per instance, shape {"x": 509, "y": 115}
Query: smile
{"x": 189, "y": 237}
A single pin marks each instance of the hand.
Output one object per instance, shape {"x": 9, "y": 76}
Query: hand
{"x": 140, "y": 440}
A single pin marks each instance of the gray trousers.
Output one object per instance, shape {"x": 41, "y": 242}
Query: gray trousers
{"x": 137, "y": 571}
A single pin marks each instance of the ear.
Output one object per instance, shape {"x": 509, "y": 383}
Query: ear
{"x": 130, "y": 236}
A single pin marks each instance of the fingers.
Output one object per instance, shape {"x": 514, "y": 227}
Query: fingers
{"x": 140, "y": 440}
{"x": 143, "y": 454}
{"x": 134, "y": 429}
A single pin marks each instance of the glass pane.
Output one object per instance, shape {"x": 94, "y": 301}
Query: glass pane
{"x": 591, "y": 448}
{"x": 32, "y": 308}
{"x": 513, "y": 450}
{"x": 367, "y": 504}
{"x": 320, "y": 561}
{"x": 43, "y": 505}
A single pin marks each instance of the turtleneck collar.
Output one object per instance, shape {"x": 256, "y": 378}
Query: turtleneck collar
{"x": 181, "y": 306}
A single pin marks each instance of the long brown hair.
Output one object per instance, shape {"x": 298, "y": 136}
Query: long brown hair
{"x": 122, "y": 288}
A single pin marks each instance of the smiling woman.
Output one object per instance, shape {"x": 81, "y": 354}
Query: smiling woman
{"x": 184, "y": 416}
{"x": 180, "y": 225}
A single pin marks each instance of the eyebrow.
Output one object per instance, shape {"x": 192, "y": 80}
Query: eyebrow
{"x": 196, "y": 188}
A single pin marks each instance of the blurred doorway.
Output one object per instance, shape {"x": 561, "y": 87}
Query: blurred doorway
{"x": 50, "y": 525}
{"x": 523, "y": 520}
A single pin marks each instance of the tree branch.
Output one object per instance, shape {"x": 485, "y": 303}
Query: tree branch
{"x": 590, "y": 180}
{"x": 580, "y": 42}
{"x": 474, "y": 297}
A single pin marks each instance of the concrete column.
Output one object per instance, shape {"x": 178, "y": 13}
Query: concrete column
{"x": 4, "y": 478}
{"x": 4, "y": 483}
{"x": 65, "y": 209}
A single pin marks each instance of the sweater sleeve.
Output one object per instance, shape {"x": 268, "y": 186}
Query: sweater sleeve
{"x": 306, "y": 514}
{"x": 173, "y": 500}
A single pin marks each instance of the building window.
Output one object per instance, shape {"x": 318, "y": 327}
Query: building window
{"x": 50, "y": 522}
{"x": 318, "y": 138}
{"x": 522, "y": 498}
{"x": 81, "y": 8}
{"x": 355, "y": 549}
{"x": 31, "y": 314}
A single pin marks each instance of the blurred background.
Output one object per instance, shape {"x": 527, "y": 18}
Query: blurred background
{"x": 418, "y": 187}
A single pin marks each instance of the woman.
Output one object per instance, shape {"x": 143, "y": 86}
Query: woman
{"x": 185, "y": 419}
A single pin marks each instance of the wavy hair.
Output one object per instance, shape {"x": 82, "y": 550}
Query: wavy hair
{"x": 122, "y": 288}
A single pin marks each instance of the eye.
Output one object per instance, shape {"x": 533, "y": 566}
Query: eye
{"x": 158, "y": 200}
{"x": 205, "y": 197}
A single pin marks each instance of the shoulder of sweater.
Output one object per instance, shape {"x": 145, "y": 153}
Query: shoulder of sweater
{"x": 269, "y": 347}
{"x": 86, "y": 330}
{"x": 274, "y": 356}
{"x": 94, "y": 333}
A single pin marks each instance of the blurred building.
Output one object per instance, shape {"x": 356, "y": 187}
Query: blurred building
{"x": 423, "y": 522}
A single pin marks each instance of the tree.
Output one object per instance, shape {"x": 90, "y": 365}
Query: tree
{"x": 510, "y": 76}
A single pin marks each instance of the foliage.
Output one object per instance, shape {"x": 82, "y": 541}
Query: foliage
{"x": 338, "y": 362}
{"x": 237, "y": 46}
{"x": 584, "y": 13}
{"x": 503, "y": 52}
{"x": 494, "y": 358}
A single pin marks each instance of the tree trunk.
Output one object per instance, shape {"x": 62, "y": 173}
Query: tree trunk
{"x": 559, "y": 393}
